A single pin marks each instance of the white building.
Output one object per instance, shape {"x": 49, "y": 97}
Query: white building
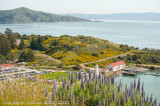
{"x": 116, "y": 66}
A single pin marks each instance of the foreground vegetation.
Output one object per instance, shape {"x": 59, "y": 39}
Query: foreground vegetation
{"x": 80, "y": 90}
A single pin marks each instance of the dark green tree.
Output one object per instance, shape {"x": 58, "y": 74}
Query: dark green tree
{"x": 22, "y": 45}
{"x": 12, "y": 37}
{"x": 8, "y": 31}
{"x": 5, "y": 46}
{"x": 77, "y": 67}
{"x": 27, "y": 56}
{"x": 30, "y": 56}
{"x": 34, "y": 44}
{"x": 23, "y": 56}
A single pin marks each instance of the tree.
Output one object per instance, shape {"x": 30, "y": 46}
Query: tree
{"x": 8, "y": 31}
{"x": 30, "y": 56}
{"x": 22, "y": 45}
{"x": 5, "y": 46}
{"x": 12, "y": 37}
{"x": 11, "y": 56}
{"x": 27, "y": 56}
{"x": 12, "y": 41}
{"x": 77, "y": 67}
{"x": 34, "y": 44}
{"x": 152, "y": 68}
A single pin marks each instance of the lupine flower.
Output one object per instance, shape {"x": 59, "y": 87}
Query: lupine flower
{"x": 55, "y": 86}
{"x": 106, "y": 81}
{"x": 102, "y": 79}
{"x": 63, "y": 84}
{"x": 151, "y": 98}
{"x": 68, "y": 86}
{"x": 147, "y": 103}
{"x": 138, "y": 86}
{"x": 143, "y": 90}
{"x": 134, "y": 83}
{"x": 77, "y": 76}
{"x": 69, "y": 76}
{"x": 90, "y": 75}
{"x": 60, "y": 94}
{"x": 70, "y": 94}
{"x": 114, "y": 96}
{"x": 99, "y": 77}
{"x": 155, "y": 101}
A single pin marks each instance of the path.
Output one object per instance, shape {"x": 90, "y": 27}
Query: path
{"x": 85, "y": 67}
{"x": 157, "y": 66}
{"x": 49, "y": 58}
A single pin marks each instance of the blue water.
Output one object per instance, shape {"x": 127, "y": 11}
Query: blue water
{"x": 138, "y": 34}
{"x": 151, "y": 84}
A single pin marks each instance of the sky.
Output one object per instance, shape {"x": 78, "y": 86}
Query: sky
{"x": 84, "y": 6}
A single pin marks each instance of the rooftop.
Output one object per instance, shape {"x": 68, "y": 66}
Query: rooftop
{"x": 117, "y": 63}
{"x": 6, "y": 65}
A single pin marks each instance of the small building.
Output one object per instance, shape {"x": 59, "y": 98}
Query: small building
{"x": 104, "y": 70}
{"x": 116, "y": 66}
{"x": 6, "y": 66}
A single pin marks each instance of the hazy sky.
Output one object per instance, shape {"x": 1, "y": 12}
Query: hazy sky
{"x": 84, "y": 6}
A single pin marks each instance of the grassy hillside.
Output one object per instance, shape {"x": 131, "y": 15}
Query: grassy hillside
{"x": 25, "y": 15}
{"x": 79, "y": 49}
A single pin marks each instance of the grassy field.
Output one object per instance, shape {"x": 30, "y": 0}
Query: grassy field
{"x": 55, "y": 75}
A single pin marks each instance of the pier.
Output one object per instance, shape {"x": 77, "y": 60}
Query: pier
{"x": 129, "y": 73}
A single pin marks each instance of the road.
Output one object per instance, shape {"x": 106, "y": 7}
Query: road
{"x": 157, "y": 66}
{"x": 120, "y": 55}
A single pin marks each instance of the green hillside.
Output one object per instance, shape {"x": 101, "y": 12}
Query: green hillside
{"x": 79, "y": 49}
{"x": 25, "y": 15}
{"x": 68, "y": 50}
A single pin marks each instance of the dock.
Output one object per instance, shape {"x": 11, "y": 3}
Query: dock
{"x": 129, "y": 73}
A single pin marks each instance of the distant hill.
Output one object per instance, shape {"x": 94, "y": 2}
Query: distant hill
{"x": 148, "y": 16}
{"x": 25, "y": 15}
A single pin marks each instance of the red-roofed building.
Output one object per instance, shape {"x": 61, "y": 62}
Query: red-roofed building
{"x": 105, "y": 69}
{"x": 119, "y": 65}
{"x": 6, "y": 66}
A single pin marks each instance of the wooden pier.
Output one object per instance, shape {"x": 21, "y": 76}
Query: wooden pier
{"x": 129, "y": 73}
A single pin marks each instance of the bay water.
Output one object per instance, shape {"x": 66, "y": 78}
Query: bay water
{"x": 134, "y": 33}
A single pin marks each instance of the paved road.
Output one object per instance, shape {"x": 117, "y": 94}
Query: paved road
{"x": 121, "y": 55}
